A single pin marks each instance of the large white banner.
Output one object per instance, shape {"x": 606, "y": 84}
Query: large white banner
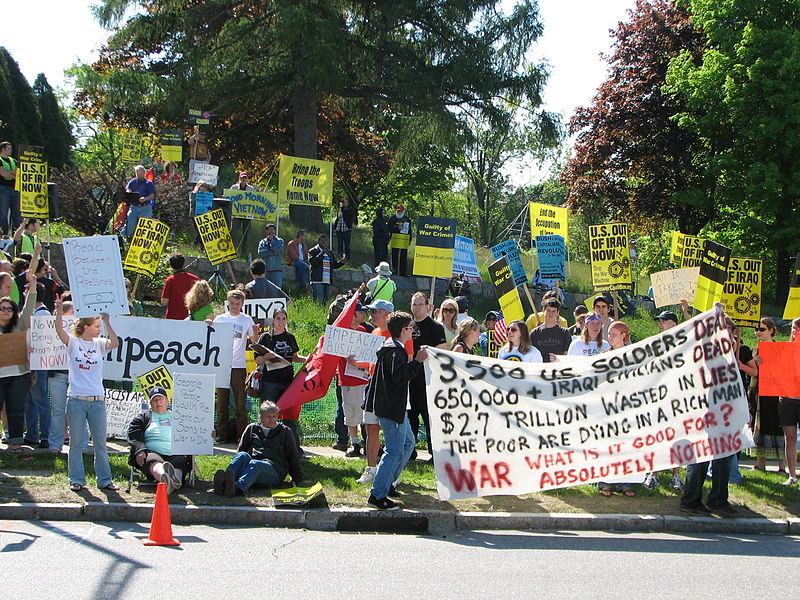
{"x": 503, "y": 427}
{"x": 96, "y": 280}
{"x": 192, "y": 414}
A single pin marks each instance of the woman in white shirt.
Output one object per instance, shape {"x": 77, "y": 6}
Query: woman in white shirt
{"x": 518, "y": 347}
{"x": 591, "y": 341}
{"x": 447, "y": 317}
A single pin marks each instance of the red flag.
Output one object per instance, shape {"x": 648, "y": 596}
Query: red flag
{"x": 313, "y": 380}
{"x": 150, "y": 174}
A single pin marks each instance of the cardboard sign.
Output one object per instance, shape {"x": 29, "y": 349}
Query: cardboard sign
{"x": 551, "y": 253}
{"x": 465, "y": 261}
{"x": 510, "y": 248}
{"x": 779, "y": 371}
{"x": 610, "y": 256}
{"x": 436, "y": 240}
{"x": 157, "y": 377}
{"x": 253, "y": 205}
{"x": 47, "y": 351}
{"x": 670, "y": 287}
{"x": 792, "y": 310}
{"x": 171, "y": 145}
{"x": 506, "y": 290}
{"x": 132, "y": 145}
{"x": 713, "y": 275}
{"x": 305, "y": 181}
{"x": 193, "y": 414}
{"x": 510, "y": 428}
{"x": 216, "y": 237}
{"x": 343, "y": 342}
{"x": 14, "y": 349}
{"x": 203, "y": 171}
{"x": 198, "y": 117}
{"x": 95, "y": 275}
{"x": 741, "y": 293}
{"x": 549, "y": 220}
{"x": 686, "y": 250}
{"x": 31, "y": 182}
{"x": 146, "y": 246}
{"x": 121, "y": 408}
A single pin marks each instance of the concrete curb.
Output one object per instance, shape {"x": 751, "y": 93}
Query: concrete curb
{"x": 405, "y": 521}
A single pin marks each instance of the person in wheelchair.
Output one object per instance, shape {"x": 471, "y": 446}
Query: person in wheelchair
{"x": 150, "y": 437}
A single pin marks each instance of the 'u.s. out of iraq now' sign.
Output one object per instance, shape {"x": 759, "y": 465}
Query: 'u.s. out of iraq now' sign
{"x": 500, "y": 427}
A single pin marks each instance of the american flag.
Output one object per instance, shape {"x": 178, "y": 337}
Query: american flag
{"x": 500, "y": 331}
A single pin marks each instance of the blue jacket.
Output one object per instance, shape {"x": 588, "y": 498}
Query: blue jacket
{"x": 272, "y": 253}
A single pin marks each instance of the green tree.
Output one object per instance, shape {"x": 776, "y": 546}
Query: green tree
{"x": 56, "y": 132}
{"x": 25, "y": 128}
{"x": 743, "y": 100}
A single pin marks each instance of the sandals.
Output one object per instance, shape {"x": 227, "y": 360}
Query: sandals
{"x": 628, "y": 492}
{"x": 111, "y": 487}
{"x": 76, "y": 487}
{"x": 605, "y": 491}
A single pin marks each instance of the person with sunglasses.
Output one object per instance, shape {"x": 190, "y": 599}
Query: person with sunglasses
{"x": 447, "y": 317}
{"x": 591, "y": 340}
{"x": 486, "y": 340}
{"x": 518, "y": 347}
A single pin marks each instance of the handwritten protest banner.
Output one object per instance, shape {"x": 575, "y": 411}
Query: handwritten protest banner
{"x": 121, "y": 408}
{"x": 146, "y": 246}
{"x": 203, "y": 171}
{"x": 686, "y": 250}
{"x": 436, "y": 240}
{"x": 305, "y": 181}
{"x": 95, "y": 275}
{"x": 13, "y": 350}
{"x": 670, "y": 287}
{"x": 792, "y": 310}
{"x": 343, "y": 342}
{"x": 741, "y": 293}
{"x": 253, "y": 205}
{"x": 216, "y": 236}
{"x": 159, "y": 376}
{"x": 132, "y": 145}
{"x": 552, "y": 256}
{"x": 193, "y": 414}
{"x": 171, "y": 145}
{"x": 47, "y": 351}
{"x": 31, "y": 182}
{"x": 549, "y": 220}
{"x": 610, "y": 257}
{"x": 465, "y": 261}
{"x": 713, "y": 274}
{"x": 779, "y": 371}
{"x": 514, "y": 428}
{"x": 510, "y": 248}
{"x": 507, "y": 292}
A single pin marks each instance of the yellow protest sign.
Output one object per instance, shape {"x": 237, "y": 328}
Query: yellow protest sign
{"x": 685, "y": 250}
{"x": 305, "y": 181}
{"x": 549, "y": 220}
{"x": 31, "y": 182}
{"x": 792, "y": 310}
{"x": 146, "y": 246}
{"x": 741, "y": 293}
{"x": 436, "y": 241}
{"x": 610, "y": 256}
{"x": 171, "y": 145}
{"x": 132, "y": 144}
{"x": 253, "y": 205}
{"x": 507, "y": 292}
{"x": 216, "y": 236}
{"x": 713, "y": 275}
{"x": 158, "y": 376}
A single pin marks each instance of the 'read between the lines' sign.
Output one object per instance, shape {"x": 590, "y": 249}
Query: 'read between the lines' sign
{"x": 500, "y": 427}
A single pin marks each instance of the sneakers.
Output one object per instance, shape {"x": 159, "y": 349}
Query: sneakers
{"x": 339, "y": 446}
{"x": 219, "y": 482}
{"x": 697, "y": 509}
{"x": 393, "y": 491}
{"x": 676, "y": 483}
{"x": 383, "y": 503}
{"x": 650, "y": 481}
{"x": 790, "y": 481}
{"x": 354, "y": 452}
{"x": 368, "y": 475}
{"x": 167, "y": 480}
{"x": 169, "y": 471}
{"x": 725, "y": 511}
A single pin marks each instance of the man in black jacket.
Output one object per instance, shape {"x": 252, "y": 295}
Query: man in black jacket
{"x": 266, "y": 453}
{"x": 387, "y": 398}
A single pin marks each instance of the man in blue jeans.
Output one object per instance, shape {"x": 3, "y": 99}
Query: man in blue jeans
{"x": 9, "y": 197}
{"x": 387, "y": 398}
{"x": 267, "y": 453}
{"x": 692, "y": 500}
{"x": 144, "y": 206}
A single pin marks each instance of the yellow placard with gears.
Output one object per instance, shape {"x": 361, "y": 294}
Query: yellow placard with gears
{"x": 216, "y": 236}
{"x": 146, "y": 246}
{"x": 159, "y": 376}
{"x": 610, "y": 256}
{"x": 31, "y": 182}
{"x": 741, "y": 293}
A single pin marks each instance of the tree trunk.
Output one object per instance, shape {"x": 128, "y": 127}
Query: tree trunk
{"x": 305, "y": 146}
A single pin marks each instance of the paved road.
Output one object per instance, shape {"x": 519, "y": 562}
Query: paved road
{"x": 85, "y": 560}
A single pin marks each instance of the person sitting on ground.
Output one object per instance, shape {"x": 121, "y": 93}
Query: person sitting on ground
{"x": 261, "y": 287}
{"x": 580, "y": 314}
{"x": 267, "y": 452}
{"x": 150, "y": 438}
{"x": 467, "y": 337}
{"x": 550, "y": 338}
{"x": 176, "y": 286}
{"x": 198, "y": 302}
{"x": 381, "y": 287}
{"x": 591, "y": 341}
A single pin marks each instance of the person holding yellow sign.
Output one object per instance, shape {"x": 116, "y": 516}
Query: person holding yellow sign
{"x": 400, "y": 228}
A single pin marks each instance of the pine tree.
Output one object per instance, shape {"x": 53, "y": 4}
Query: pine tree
{"x": 56, "y": 134}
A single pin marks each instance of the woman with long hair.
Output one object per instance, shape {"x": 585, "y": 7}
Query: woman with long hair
{"x": 591, "y": 341}
{"x": 198, "y": 301}
{"x": 448, "y": 311}
{"x": 467, "y": 337}
{"x": 518, "y": 347}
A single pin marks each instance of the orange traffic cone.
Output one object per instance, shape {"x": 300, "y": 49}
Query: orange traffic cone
{"x": 161, "y": 524}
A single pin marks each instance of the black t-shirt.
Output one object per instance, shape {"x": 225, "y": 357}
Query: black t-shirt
{"x": 427, "y": 333}
{"x": 550, "y": 339}
{"x": 745, "y": 355}
{"x": 284, "y": 345}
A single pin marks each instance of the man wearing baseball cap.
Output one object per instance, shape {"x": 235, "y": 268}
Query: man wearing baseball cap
{"x": 666, "y": 320}
{"x": 400, "y": 228}
{"x": 243, "y": 184}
